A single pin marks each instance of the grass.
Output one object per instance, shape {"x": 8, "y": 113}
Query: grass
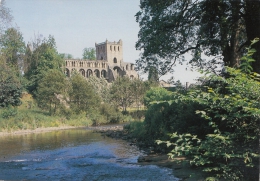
{"x": 29, "y": 116}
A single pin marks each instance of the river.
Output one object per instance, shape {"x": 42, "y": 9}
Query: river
{"x": 75, "y": 154}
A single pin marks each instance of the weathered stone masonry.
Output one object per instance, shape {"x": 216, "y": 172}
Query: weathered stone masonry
{"x": 109, "y": 63}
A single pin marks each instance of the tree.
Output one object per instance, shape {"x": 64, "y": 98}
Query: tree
{"x": 10, "y": 87}
{"x": 5, "y": 16}
{"x": 170, "y": 29}
{"x": 12, "y": 47}
{"x": 101, "y": 88}
{"x": 153, "y": 76}
{"x": 39, "y": 59}
{"x": 82, "y": 96}
{"x": 51, "y": 87}
{"x": 156, "y": 94}
{"x": 89, "y": 54}
{"x": 66, "y": 56}
{"x": 139, "y": 88}
{"x": 228, "y": 145}
{"x": 122, "y": 92}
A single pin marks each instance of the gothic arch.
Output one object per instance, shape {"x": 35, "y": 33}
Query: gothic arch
{"x": 115, "y": 60}
{"x": 97, "y": 73}
{"x": 104, "y": 73}
{"x": 89, "y": 73}
{"x": 82, "y": 72}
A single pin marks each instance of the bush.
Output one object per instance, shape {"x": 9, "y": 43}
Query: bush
{"x": 9, "y": 112}
{"x": 229, "y": 111}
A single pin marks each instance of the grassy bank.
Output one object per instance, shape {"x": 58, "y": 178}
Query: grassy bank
{"x": 29, "y": 116}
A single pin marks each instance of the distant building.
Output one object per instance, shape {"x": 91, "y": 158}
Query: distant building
{"x": 109, "y": 63}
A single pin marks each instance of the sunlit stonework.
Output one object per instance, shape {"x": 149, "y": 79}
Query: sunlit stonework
{"x": 109, "y": 63}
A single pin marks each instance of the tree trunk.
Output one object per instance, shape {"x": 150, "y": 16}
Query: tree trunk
{"x": 252, "y": 19}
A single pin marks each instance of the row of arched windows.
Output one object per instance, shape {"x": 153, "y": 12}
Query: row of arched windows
{"x": 86, "y": 64}
{"x": 88, "y": 73}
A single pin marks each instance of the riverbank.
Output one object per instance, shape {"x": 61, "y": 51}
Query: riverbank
{"x": 181, "y": 169}
{"x": 37, "y": 130}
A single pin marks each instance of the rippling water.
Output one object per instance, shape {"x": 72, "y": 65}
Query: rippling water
{"x": 76, "y": 154}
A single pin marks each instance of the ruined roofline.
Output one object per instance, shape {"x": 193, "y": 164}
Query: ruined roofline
{"x": 109, "y": 42}
{"x": 85, "y": 60}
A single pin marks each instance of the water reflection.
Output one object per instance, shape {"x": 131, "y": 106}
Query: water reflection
{"x": 76, "y": 154}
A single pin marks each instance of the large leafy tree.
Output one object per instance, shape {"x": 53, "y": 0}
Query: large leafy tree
{"x": 139, "y": 89}
{"x": 122, "y": 93}
{"x": 10, "y": 87}
{"x": 170, "y": 29}
{"x": 51, "y": 89}
{"x": 101, "y": 87}
{"x": 12, "y": 47}
{"x": 82, "y": 96}
{"x": 89, "y": 54}
{"x": 39, "y": 58}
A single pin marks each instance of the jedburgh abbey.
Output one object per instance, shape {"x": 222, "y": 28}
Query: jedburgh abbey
{"x": 109, "y": 63}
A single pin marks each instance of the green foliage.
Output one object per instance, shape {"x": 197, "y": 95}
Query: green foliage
{"x": 139, "y": 89}
{"x": 12, "y": 47}
{"x": 153, "y": 75}
{"x": 51, "y": 89}
{"x": 136, "y": 128}
{"x": 100, "y": 86}
{"x": 170, "y": 29}
{"x": 81, "y": 95}
{"x": 247, "y": 59}
{"x": 10, "y": 87}
{"x": 229, "y": 112}
{"x": 125, "y": 92}
{"x": 156, "y": 94}
{"x": 9, "y": 112}
{"x": 38, "y": 61}
{"x": 89, "y": 54}
{"x": 66, "y": 56}
{"x": 122, "y": 92}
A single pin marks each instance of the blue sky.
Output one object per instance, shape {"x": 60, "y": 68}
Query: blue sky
{"x": 77, "y": 24}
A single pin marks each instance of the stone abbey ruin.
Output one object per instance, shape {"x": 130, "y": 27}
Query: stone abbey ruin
{"x": 108, "y": 64}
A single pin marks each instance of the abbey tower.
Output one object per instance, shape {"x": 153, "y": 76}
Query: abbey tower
{"x": 112, "y": 52}
{"x": 109, "y": 63}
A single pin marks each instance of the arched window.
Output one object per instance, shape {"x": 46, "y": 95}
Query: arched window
{"x": 115, "y": 60}
{"x": 103, "y": 73}
{"x": 101, "y": 57}
{"x": 118, "y": 48}
{"x": 89, "y": 73}
{"x": 111, "y": 48}
{"x": 115, "y": 48}
{"x": 97, "y": 73}
{"x": 82, "y": 71}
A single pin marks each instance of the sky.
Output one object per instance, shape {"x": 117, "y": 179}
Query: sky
{"x": 79, "y": 24}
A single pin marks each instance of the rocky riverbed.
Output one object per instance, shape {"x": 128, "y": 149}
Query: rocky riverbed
{"x": 180, "y": 169}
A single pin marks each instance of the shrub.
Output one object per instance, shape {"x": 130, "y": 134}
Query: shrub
{"x": 229, "y": 110}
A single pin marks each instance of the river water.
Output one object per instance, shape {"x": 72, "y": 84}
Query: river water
{"x": 76, "y": 154}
